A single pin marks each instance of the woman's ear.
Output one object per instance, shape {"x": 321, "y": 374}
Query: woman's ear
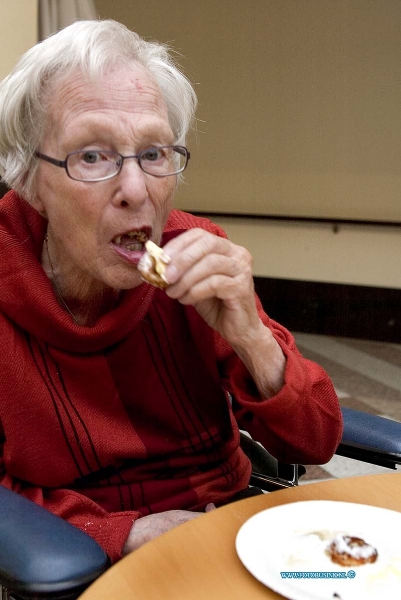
{"x": 43, "y": 214}
{"x": 31, "y": 196}
{"x": 36, "y": 203}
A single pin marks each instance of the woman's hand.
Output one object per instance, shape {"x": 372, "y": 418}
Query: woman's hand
{"x": 147, "y": 528}
{"x": 215, "y": 276}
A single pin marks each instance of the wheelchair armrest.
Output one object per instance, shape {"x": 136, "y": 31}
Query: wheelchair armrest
{"x": 370, "y": 438}
{"x": 262, "y": 461}
{"x": 267, "y": 473}
{"x": 41, "y": 554}
{"x": 287, "y": 476}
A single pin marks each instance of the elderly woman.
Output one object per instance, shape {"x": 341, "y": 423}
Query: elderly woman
{"x": 121, "y": 403}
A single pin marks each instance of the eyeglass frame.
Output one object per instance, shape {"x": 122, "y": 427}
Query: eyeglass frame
{"x": 64, "y": 163}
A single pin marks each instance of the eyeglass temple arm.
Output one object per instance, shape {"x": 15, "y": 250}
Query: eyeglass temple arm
{"x": 53, "y": 161}
{"x": 183, "y": 151}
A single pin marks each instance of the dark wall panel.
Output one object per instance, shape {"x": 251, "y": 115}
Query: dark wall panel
{"x": 333, "y": 309}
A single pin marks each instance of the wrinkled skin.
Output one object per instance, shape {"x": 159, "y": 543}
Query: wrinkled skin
{"x": 148, "y": 528}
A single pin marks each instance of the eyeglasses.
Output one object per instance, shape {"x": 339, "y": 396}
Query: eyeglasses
{"x": 98, "y": 165}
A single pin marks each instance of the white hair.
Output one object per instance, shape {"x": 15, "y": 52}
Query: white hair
{"x": 90, "y": 47}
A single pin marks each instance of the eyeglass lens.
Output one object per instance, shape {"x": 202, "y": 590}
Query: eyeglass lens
{"x": 100, "y": 164}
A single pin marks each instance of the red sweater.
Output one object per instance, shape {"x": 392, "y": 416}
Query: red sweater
{"x": 106, "y": 424}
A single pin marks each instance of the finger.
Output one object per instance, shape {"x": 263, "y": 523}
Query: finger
{"x": 219, "y": 287}
{"x": 210, "y": 507}
{"x": 180, "y": 243}
{"x": 191, "y": 248}
{"x": 211, "y": 272}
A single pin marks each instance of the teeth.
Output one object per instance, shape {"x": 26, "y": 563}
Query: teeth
{"x": 139, "y": 237}
{"x": 135, "y": 247}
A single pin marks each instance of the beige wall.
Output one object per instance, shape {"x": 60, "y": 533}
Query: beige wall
{"x": 354, "y": 255}
{"x": 18, "y": 31}
{"x": 299, "y": 115}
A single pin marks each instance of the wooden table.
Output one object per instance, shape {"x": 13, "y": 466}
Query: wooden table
{"x": 198, "y": 561}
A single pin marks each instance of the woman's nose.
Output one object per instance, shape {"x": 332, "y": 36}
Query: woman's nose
{"x": 131, "y": 184}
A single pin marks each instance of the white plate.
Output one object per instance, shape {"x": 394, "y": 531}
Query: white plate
{"x": 282, "y": 539}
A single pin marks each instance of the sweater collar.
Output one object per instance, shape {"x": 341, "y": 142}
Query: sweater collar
{"x": 27, "y": 297}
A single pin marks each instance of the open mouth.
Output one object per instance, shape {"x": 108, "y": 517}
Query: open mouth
{"x": 133, "y": 241}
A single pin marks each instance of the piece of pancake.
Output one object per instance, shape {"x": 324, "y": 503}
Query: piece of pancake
{"x": 152, "y": 265}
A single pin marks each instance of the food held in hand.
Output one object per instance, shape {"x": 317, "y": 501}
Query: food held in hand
{"x": 152, "y": 265}
{"x": 350, "y": 551}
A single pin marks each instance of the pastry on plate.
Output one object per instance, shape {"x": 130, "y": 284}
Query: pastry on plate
{"x": 351, "y": 551}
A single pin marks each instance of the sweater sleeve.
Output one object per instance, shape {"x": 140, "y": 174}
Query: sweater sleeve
{"x": 110, "y": 530}
{"x": 302, "y": 423}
